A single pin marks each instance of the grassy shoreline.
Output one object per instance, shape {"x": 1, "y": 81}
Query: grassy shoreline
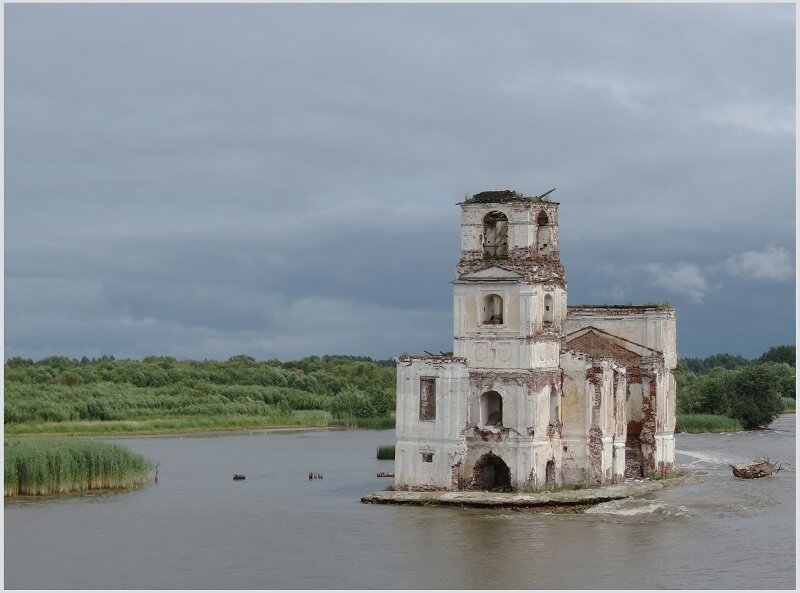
{"x": 303, "y": 419}
{"x": 697, "y": 423}
{"x": 300, "y": 420}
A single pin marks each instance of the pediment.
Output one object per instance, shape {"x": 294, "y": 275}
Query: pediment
{"x": 596, "y": 342}
{"x": 493, "y": 273}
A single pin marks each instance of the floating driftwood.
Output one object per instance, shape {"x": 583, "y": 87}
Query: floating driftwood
{"x": 238, "y": 476}
{"x": 760, "y": 468}
{"x": 385, "y": 474}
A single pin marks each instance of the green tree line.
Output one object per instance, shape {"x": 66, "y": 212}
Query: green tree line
{"x": 727, "y": 385}
{"x": 61, "y": 389}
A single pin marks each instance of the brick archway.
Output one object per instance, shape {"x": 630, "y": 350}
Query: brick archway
{"x": 491, "y": 473}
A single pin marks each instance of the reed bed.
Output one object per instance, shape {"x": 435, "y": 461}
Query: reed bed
{"x": 297, "y": 418}
{"x": 788, "y": 404}
{"x": 379, "y": 423}
{"x": 386, "y": 452}
{"x": 43, "y": 467}
{"x": 706, "y": 423}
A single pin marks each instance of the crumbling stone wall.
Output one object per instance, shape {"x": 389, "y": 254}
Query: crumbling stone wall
{"x": 598, "y": 347}
{"x": 594, "y": 376}
{"x": 643, "y": 338}
{"x": 584, "y": 393}
{"x": 607, "y": 432}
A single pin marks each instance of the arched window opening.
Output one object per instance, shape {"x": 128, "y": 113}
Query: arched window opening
{"x": 548, "y": 309}
{"x": 491, "y": 473}
{"x": 491, "y": 409}
{"x": 493, "y": 309}
{"x": 553, "y": 407}
{"x": 543, "y": 233}
{"x": 495, "y": 235}
{"x": 550, "y": 474}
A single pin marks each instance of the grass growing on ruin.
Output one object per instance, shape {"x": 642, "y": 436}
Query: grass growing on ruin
{"x": 42, "y": 467}
{"x": 657, "y": 305}
{"x": 529, "y": 489}
{"x": 386, "y": 452}
{"x": 694, "y": 423}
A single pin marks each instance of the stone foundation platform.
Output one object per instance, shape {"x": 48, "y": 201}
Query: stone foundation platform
{"x": 560, "y": 501}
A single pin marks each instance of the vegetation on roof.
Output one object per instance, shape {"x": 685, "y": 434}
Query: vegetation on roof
{"x": 505, "y": 195}
{"x": 665, "y": 306}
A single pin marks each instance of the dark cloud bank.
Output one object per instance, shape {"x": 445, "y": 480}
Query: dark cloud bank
{"x": 280, "y": 180}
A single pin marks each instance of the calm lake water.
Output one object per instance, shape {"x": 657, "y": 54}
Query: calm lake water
{"x": 198, "y": 529}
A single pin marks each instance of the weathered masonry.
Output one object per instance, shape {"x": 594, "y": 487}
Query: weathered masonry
{"x": 535, "y": 393}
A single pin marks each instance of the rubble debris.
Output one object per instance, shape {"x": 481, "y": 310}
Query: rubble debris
{"x": 760, "y": 468}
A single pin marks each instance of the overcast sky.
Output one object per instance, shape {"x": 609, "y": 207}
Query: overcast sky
{"x": 202, "y": 181}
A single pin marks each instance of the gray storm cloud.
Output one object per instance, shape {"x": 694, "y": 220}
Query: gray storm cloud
{"x": 280, "y": 180}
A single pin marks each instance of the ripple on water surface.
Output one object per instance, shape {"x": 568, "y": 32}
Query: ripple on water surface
{"x": 198, "y": 529}
{"x": 638, "y": 509}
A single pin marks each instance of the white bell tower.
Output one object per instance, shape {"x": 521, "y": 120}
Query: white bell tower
{"x": 510, "y": 305}
{"x": 510, "y": 294}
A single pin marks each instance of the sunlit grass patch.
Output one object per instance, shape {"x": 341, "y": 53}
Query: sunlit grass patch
{"x": 531, "y": 489}
{"x": 379, "y": 423}
{"x": 298, "y": 418}
{"x": 706, "y": 423}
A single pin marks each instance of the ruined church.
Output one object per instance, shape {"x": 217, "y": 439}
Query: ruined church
{"x": 535, "y": 393}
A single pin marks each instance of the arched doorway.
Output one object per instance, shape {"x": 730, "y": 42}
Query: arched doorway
{"x": 491, "y": 473}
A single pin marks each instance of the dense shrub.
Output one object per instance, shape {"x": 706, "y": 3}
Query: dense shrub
{"x": 59, "y": 389}
{"x": 352, "y": 403}
{"x": 755, "y": 398}
{"x": 750, "y": 393}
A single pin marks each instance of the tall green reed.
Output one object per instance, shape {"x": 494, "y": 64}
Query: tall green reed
{"x": 386, "y": 452}
{"x": 41, "y": 467}
{"x": 706, "y": 423}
